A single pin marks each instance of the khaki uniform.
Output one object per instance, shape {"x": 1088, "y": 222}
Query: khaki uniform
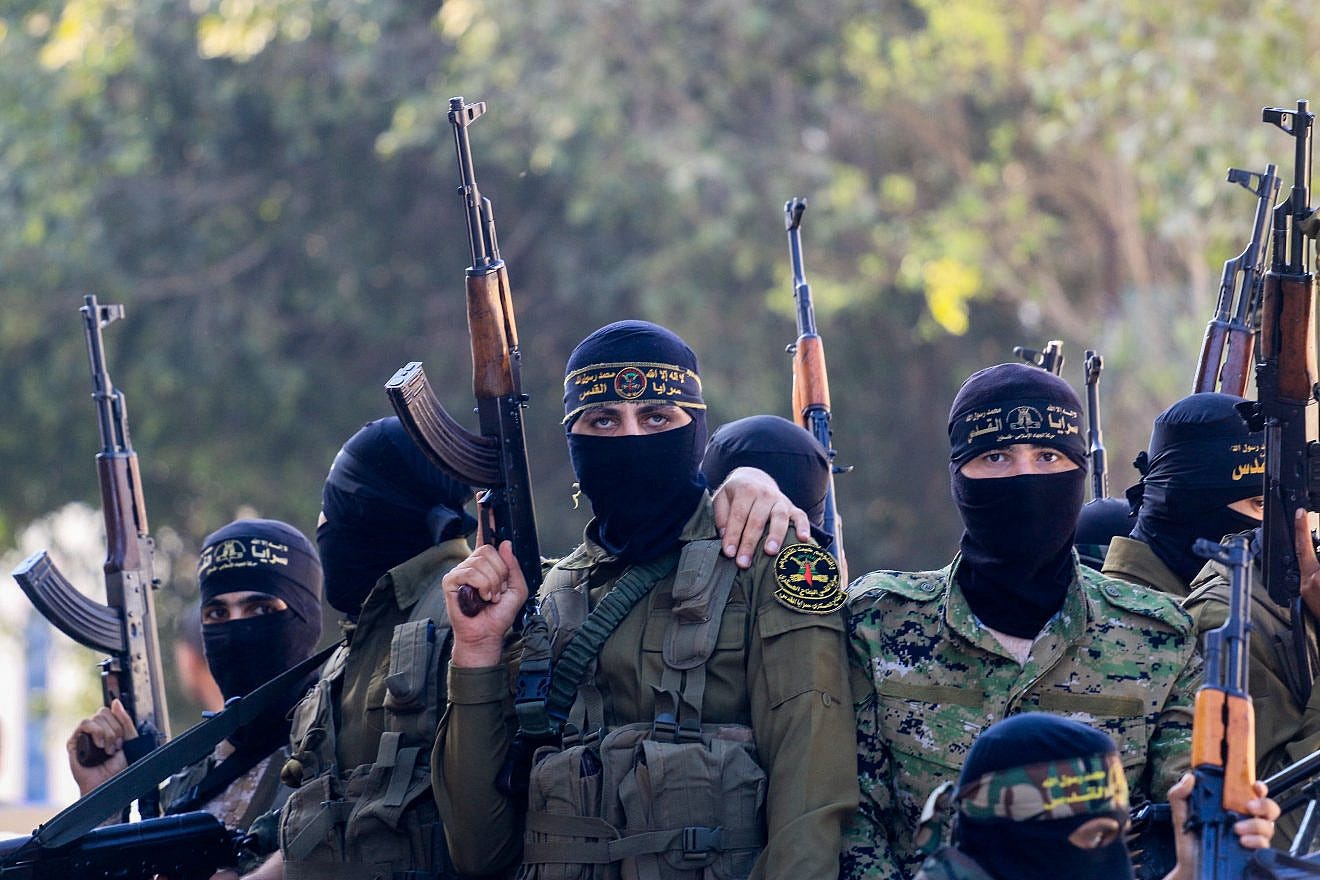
{"x": 781, "y": 672}
{"x": 930, "y": 678}
{"x": 245, "y": 805}
{"x": 1286, "y": 730}
{"x": 362, "y": 737}
{"x": 1133, "y": 561}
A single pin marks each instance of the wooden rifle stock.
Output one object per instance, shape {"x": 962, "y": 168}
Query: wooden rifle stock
{"x": 125, "y": 626}
{"x": 811, "y": 385}
{"x": 1224, "y": 727}
{"x": 495, "y": 459}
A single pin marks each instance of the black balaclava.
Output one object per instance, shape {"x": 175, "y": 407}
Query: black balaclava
{"x": 1030, "y": 781}
{"x": 264, "y": 556}
{"x": 642, "y": 489}
{"x": 1102, "y": 520}
{"x": 384, "y": 503}
{"x": 784, "y": 450}
{"x": 1201, "y": 458}
{"x": 1017, "y": 531}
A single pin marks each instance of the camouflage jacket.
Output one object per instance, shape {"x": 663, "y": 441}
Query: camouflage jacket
{"x": 948, "y": 863}
{"x": 929, "y": 678}
{"x": 1133, "y": 561}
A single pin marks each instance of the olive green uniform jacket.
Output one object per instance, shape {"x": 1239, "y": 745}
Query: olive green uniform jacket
{"x": 1133, "y": 561}
{"x": 930, "y": 678}
{"x": 782, "y": 672}
{"x": 1286, "y": 730}
{"x": 361, "y": 706}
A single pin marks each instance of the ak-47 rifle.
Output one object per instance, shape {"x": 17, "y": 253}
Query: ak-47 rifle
{"x": 1225, "y": 361}
{"x": 1224, "y": 725}
{"x": 811, "y": 385}
{"x": 185, "y": 846}
{"x": 1050, "y": 359}
{"x": 495, "y": 459}
{"x": 1285, "y": 384}
{"x": 125, "y": 626}
{"x": 1093, "y": 365}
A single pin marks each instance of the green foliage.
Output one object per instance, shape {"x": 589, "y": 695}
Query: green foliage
{"x": 269, "y": 187}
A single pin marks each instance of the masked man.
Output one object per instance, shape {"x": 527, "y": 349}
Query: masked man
{"x": 1013, "y": 624}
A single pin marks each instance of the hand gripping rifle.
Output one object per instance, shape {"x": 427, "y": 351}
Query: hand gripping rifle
{"x": 1285, "y": 384}
{"x": 184, "y": 846}
{"x": 496, "y": 458}
{"x": 1225, "y": 359}
{"x": 811, "y": 385}
{"x": 1050, "y": 359}
{"x": 125, "y": 626}
{"x": 1224, "y": 726}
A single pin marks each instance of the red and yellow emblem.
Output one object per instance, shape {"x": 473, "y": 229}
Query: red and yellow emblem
{"x": 807, "y": 579}
{"x": 630, "y": 383}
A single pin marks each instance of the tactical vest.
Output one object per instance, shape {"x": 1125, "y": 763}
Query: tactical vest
{"x": 663, "y": 799}
{"x": 377, "y": 821}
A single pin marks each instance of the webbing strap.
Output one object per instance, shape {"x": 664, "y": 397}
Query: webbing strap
{"x": 608, "y": 844}
{"x": 577, "y": 655}
{"x": 332, "y": 813}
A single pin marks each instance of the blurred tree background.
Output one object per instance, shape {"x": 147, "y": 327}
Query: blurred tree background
{"x": 269, "y": 188}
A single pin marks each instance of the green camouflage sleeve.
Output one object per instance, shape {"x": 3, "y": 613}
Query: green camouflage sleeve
{"x": 1169, "y": 753}
{"x": 866, "y": 851}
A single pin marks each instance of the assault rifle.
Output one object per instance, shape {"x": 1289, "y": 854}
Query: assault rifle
{"x": 1224, "y": 725}
{"x": 1225, "y": 360}
{"x": 125, "y": 626}
{"x": 185, "y": 846}
{"x": 1285, "y": 384}
{"x": 1049, "y": 359}
{"x": 811, "y": 385}
{"x": 189, "y": 846}
{"x": 1093, "y": 365}
{"x": 496, "y": 458}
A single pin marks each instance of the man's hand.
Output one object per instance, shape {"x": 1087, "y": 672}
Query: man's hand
{"x": 1307, "y": 562}
{"x": 750, "y": 504}
{"x": 1254, "y": 832}
{"x": 271, "y": 869}
{"x": 495, "y": 575}
{"x": 109, "y": 729}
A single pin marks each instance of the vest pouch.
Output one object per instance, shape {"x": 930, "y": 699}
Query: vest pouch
{"x": 698, "y": 805}
{"x": 565, "y": 836}
{"x": 312, "y": 744}
{"x": 313, "y": 819}
{"x": 394, "y": 824}
{"x": 411, "y": 670}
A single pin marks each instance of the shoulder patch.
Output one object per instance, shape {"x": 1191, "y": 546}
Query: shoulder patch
{"x": 1137, "y": 599}
{"x": 807, "y": 580}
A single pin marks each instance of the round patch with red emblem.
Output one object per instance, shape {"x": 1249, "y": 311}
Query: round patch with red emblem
{"x": 630, "y": 383}
{"x": 807, "y": 580}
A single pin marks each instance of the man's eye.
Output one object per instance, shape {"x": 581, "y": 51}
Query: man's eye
{"x": 214, "y": 615}
{"x": 1049, "y": 456}
{"x": 263, "y": 608}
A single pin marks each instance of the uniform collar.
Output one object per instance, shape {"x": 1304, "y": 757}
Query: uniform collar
{"x": 1133, "y": 561}
{"x": 1061, "y": 630}
{"x": 408, "y": 580}
{"x": 700, "y": 526}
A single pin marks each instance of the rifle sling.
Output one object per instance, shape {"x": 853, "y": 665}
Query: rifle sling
{"x": 141, "y": 777}
{"x": 571, "y": 666}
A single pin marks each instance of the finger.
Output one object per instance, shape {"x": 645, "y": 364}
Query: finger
{"x": 125, "y": 729}
{"x": 758, "y": 517}
{"x": 513, "y": 571}
{"x": 739, "y": 509}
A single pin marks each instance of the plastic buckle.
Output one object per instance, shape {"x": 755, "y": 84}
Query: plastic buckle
{"x": 699, "y": 841}
{"x": 665, "y": 727}
{"x": 689, "y": 731}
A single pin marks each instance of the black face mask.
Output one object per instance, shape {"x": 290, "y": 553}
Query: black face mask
{"x": 1017, "y": 546}
{"x": 643, "y": 489}
{"x": 1170, "y": 520}
{"x": 1040, "y": 850}
{"x": 244, "y": 654}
